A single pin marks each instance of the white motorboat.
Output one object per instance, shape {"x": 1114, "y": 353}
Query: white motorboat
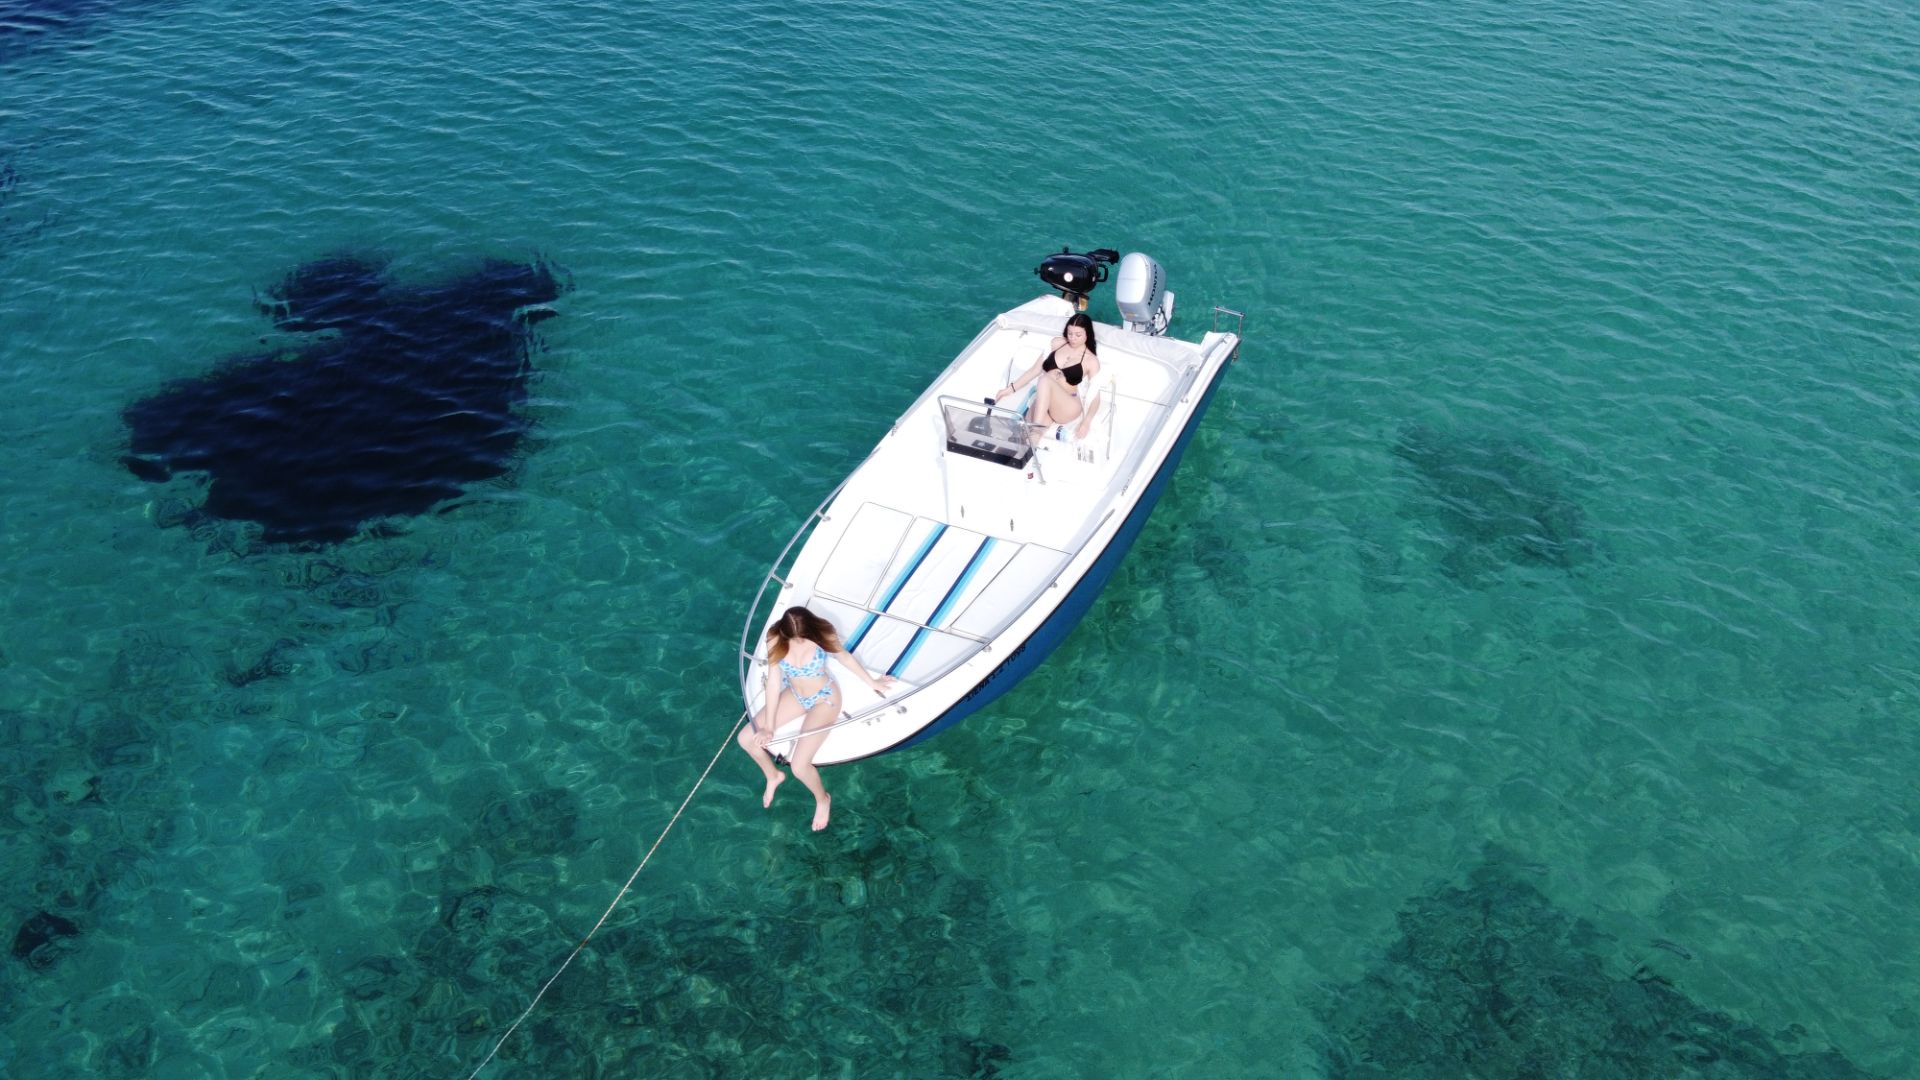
{"x": 960, "y": 553}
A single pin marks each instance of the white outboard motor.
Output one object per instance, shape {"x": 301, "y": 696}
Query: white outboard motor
{"x": 1140, "y": 288}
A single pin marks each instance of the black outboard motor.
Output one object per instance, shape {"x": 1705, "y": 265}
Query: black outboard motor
{"x": 1076, "y": 275}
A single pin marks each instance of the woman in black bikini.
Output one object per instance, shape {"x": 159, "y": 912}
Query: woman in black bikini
{"x": 1072, "y": 360}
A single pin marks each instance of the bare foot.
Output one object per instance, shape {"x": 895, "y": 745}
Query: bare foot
{"x": 773, "y": 782}
{"x": 822, "y": 809}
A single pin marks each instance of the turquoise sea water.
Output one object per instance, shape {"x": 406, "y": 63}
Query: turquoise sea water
{"x": 1518, "y": 676}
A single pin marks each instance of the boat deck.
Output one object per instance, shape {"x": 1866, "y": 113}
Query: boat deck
{"x": 1049, "y": 502}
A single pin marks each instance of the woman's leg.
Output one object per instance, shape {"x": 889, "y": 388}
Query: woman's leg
{"x": 784, "y": 708}
{"x": 1053, "y": 405}
{"x": 823, "y": 713}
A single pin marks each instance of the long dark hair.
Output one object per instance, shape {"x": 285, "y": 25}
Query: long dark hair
{"x": 798, "y": 622}
{"x": 1085, "y": 322}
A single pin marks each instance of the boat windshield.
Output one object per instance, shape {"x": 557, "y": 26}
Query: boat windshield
{"x": 986, "y": 432}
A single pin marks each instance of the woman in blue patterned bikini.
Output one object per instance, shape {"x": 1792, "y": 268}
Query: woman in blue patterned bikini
{"x": 798, "y": 644}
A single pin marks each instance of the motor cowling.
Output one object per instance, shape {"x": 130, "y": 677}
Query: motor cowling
{"x": 1075, "y": 275}
{"x": 1140, "y": 290}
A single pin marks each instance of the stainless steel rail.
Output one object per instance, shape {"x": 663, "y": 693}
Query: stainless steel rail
{"x": 746, "y": 632}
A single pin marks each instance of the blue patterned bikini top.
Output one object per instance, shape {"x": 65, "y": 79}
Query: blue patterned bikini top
{"x": 812, "y": 669}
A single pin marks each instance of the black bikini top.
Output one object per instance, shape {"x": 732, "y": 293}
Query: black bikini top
{"x": 1073, "y": 374}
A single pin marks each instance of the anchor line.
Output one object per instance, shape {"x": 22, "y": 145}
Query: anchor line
{"x": 621, "y": 895}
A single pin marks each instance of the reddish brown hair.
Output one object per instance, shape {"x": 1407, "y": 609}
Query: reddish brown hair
{"x": 798, "y": 622}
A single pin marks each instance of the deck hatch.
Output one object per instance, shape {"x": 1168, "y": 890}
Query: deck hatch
{"x": 946, "y": 605}
{"x": 893, "y": 591}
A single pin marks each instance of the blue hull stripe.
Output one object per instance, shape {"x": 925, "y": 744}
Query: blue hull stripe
{"x": 946, "y": 603}
{"x": 893, "y": 593}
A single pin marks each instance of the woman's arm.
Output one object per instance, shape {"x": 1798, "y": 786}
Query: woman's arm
{"x": 1025, "y": 377}
{"x": 1086, "y": 419}
{"x": 879, "y": 685}
{"x": 1093, "y": 399}
{"x": 1031, "y": 373}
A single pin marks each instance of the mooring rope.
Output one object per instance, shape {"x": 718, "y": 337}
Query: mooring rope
{"x": 616, "y": 902}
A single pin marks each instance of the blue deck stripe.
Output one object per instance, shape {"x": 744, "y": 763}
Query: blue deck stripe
{"x": 899, "y": 583}
{"x": 920, "y": 636}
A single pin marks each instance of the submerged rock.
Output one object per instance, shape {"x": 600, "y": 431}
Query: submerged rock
{"x": 44, "y": 940}
{"x": 1493, "y": 981}
{"x": 280, "y": 659}
{"x": 907, "y": 974}
{"x": 15, "y": 227}
{"x": 31, "y": 25}
{"x": 401, "y": 397}
{"x": 1500, "y": 499}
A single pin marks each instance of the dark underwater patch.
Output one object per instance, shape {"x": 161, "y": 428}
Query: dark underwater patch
{"x": 1501, "y": 500}
{"x": 44, "y": 940}
{"x": 1493, "y": 981}
{"x": 280, "y": 659}
{"x": 401, "y": 398}
{"x": 15, "y": 227}
{"x": 30, "y": 24}
{"x": 28, "y": 20}
{"x": 868, "y": 936}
